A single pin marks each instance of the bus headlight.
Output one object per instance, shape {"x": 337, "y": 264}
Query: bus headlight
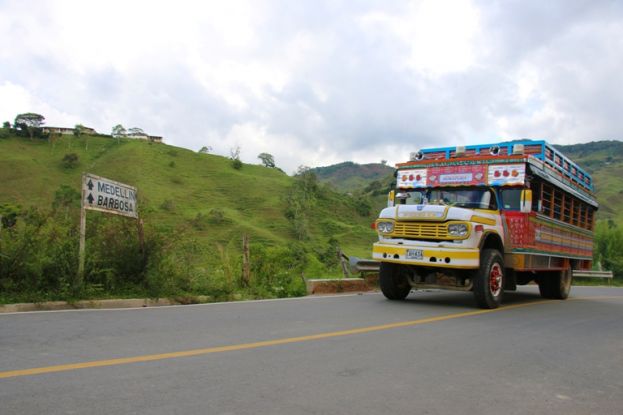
{"x": 385, "y": 227}
{"x": 457, "y": 229}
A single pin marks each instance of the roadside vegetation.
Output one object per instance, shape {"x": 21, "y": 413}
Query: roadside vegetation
{"x": 196, "y": 208}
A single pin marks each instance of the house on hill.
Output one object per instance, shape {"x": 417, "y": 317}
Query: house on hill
{"x": 138, "y": 134}
{"x": 68, "y": 130}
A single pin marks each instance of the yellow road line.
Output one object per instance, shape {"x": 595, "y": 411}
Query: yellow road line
{"x": 256, "y": 345}
{"x": 598, "y": 297}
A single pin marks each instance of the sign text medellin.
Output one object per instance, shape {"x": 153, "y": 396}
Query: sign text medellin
{"x": 105, "y": 195}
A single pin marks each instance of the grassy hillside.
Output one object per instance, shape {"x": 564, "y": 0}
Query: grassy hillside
{"x": 350, "y": 177}
{"x": 604, "y": 161}
{"x": 175, "y": 185}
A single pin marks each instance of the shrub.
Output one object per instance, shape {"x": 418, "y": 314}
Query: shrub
{"x": 217, "y": 216}
{"x": 328, "y": 256}
{"x": 200, "y": 222}
{"x": 168, "y": 205}
{"x": 236, "y": 164}
{"x": 277, "y": 271}
{"x": 8, "y": 215}
{"x": 70, "y": 160}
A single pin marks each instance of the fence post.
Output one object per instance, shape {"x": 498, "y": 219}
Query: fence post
{"x": 343, "y": 262}
{"x": 246, "y": 266}
{"x": 83, "y": 233}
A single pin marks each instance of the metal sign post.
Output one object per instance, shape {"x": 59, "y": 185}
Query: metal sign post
{"x": 103, "y": 195}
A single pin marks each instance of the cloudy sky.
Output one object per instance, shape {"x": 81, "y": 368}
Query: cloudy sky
{"x": 318, "y": 82}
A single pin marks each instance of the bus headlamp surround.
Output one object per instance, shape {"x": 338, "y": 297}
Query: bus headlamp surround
{"x": 458, "y": 229}
{"x": 385, "y": 226}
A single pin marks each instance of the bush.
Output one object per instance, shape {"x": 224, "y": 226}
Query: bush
{"x": 277, "y": 271}
{"x": 217, "y": 216}
{"x": 70, "y": 160}
{"x": 236, "y": 164}
{"x": 8, "y": 215}
{"x": 168, "y": 205}
{"x": 329, "y": 255}
{"x": 200, "y": 222}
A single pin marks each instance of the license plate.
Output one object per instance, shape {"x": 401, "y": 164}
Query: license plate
{"x": 414, "y": 254}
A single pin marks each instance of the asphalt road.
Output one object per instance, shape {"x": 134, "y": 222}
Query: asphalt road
{"x": 361, "y": 354}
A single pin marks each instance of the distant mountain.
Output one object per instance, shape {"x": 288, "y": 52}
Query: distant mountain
{"x": 349, "y": 176}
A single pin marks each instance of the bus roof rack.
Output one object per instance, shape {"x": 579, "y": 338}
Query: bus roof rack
{"x": 538, "y": 149}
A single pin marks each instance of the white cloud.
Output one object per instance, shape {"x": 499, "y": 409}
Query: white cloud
{"x": 318, "y": 82}
{"x": 17, "y": 100}
{"x": 438, "y": 39}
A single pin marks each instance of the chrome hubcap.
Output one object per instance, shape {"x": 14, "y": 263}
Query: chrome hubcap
{"x": 495, "y": 280}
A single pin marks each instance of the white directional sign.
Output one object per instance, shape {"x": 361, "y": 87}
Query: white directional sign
{"x": 105, "y": 195}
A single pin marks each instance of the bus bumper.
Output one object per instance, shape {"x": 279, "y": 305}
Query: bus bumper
{"x": 427, "y": 256}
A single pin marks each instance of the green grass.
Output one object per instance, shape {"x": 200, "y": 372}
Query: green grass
{"x": 604, "y": 161}
{"x": 251, "y": 198}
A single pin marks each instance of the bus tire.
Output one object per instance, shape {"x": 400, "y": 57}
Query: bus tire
{"x": 489, "y": 281}
{"x": 393, "y": 281}
{"x": 555, "y": 285}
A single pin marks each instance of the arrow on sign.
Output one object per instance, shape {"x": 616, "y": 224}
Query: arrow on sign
{"x": 90, "y": 198}
{"x": 90, "y": 184}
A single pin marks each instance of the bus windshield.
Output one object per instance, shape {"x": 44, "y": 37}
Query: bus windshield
{"x": 471, "y": 198}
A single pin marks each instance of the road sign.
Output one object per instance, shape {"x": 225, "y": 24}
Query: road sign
{"x": 105, "y": 195}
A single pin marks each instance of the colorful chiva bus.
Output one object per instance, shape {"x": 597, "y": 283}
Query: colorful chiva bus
{"x": 486, "y": 218}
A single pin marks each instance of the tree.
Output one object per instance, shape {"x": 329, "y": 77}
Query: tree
{"x": 136, "y": 131}
{"x": 384, "y": 162}
{"x": 118, "y": 131}
{"x": 300, "y": 200}
{"x": 65, "y": 198}
{"x": 234, "y": 155}
{"x": 29, "y": 122}
{"x": 205, "y": 150}
{"x": 6, "y": 125}
{"x": 267, "y": 159}
{"x": 78, "y": 130}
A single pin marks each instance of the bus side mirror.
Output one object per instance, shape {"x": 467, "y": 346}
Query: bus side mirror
{"x": 526, "y": 201}
{"x": 390, "y": 199}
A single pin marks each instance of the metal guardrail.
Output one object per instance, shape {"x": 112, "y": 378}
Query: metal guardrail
{"x": 358, "y": 265}
{"x": 592, "y": 274}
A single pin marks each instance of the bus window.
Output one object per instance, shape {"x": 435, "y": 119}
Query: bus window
{"x": 557, "y": 204}
{"x": 409, "y": 198}
{"x": 511, "y": 199}
{"x": 536, "y": 196}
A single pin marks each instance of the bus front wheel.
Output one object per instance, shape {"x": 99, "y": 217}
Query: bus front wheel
{"x": 489, "y": 281}
{"x": 394, "y": 281}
